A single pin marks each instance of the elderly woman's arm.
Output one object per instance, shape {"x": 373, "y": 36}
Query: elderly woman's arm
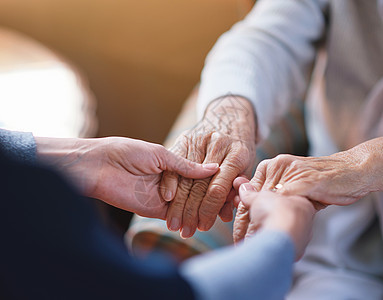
{"x": 264, "y": 62}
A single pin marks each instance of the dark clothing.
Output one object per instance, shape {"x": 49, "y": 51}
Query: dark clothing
{"x": 54, "y": 246}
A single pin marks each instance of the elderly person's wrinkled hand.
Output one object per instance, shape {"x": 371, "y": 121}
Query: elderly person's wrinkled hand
{"x": 120, "y": 171}
{"x": 339, "y": 179}
{"x": 293, "y": 215}
{"x": 226, "y": 135}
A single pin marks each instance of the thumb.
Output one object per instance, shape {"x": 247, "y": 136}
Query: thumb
{"x": 260, "y": 175}
{"x": 247, "y": 194}
{"x": 187, "y": 168}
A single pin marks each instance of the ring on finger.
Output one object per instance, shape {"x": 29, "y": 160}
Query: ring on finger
{"x": 277, "y": 187}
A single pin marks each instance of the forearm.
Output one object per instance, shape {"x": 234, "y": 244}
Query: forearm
{"x": 233, "y": 115}
{"x": 259, "y": 269}
{"x": 368, "y": 160}
{"x": 73, "y": 157}
{"x": 60, "y": 151}
{"x": 265, "y": 58}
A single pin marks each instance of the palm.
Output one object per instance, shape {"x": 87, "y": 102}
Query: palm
{"x": 124, "y": 186}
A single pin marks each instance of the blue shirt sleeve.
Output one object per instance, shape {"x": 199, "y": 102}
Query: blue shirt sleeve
{"x": 261, "y": 268}
{"x": 18, "y": 145}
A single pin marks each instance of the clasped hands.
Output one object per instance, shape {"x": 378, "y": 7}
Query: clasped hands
{"x": 201, "y": 176}
{"x": 226, "y": 135}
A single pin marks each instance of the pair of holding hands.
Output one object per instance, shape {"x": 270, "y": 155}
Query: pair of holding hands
{"x": 127, "y": 173}
{"x": 227, "y": 135}
{"x": 193, "y": 183}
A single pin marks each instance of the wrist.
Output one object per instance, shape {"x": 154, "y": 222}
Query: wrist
{"x": 232, "y": 115}
{"x": 372, "y": 164}
{"x": 52, "y": 150}
{"x": 62, "y": 153}
{"x": 71, "y": 157}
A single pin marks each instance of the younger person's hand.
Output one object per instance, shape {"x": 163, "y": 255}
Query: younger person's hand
{"x": 120, "y": 171}
{"x": 293, "y": 215}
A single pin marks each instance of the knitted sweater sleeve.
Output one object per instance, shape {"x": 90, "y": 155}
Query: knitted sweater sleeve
{"x": 265, "y": 58}
{"x": 18, "y": 145}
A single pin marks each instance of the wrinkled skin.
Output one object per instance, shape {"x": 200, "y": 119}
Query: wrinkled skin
{"x": 339, "y": 179}
{"x": 226, "y": 135}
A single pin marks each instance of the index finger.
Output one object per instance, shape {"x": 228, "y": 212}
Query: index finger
{"x": 259, "y": 177}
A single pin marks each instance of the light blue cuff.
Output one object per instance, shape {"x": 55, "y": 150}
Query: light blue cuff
{"x": 261, "y": 268}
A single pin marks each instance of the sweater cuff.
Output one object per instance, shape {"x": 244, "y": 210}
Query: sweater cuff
{"x": 18, "y": 145}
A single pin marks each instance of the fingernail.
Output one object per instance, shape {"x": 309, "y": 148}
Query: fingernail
{"x": 185, "y": 232}
{"x": 175, "y": 224}
{"x": 203, "y": 227}
{"x": 212, "y": 166}
{"x": 246, "y": 187}
{"x": 168, "y": 195}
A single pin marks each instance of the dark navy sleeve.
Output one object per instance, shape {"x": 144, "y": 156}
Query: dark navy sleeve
{"x": 54, "y": 246}
{"x": 19, "y": 145}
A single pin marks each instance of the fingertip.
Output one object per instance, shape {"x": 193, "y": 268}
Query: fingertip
{"x": 168, "y": 186}
{"x": 167, "y": 195}
{"x": 211, "y": 166}
{"x": 207, "y": 170}
{"x": 247, "y": 193}
{"x": 174, "y": 224}
{"x": 238, "y": 181}
{"x": 226, "y": 213}
{"x": 195, "y": 170}
{"x": 236, "y": 201}
{"x": 246, "y": 188}
{"x": 205, "y": 226}
{"x": 225, "y": 217}
{"x": 187, "y": 232}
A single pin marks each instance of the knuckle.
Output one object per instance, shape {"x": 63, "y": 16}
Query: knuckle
{"x": 259, "y": 174}
{"x": 176, "y": 207}
{"x": 180, "y": 146}
{"x": 190, "y": 213}
{"x": 265, "y": 162}
{"x": 244, "y": 152}
{"x": 217, "y": 146}
{"x": 217, "y": 192}
{"x": 295, "y": 164}
{"x": 182, "y": 192}
{"x": 262, "y": 166}
{"x": 237, "y": 162}
{"x": 199, "y": 188}
{"x": 160, "y": 148}
{"x": 217, "y": 136}
{"x": 169, "y": 176}
{"x": 282, "y": 158}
